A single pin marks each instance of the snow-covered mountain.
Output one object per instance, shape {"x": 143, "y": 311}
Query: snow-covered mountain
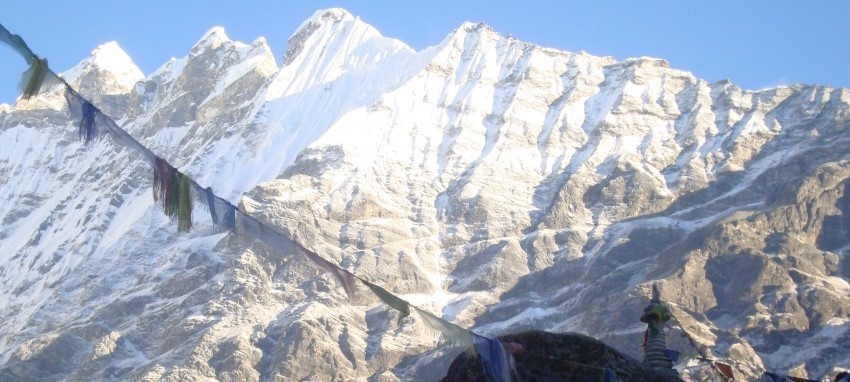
{"x": 502, "y": 185}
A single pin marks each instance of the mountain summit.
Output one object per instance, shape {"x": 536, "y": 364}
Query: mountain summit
{"x": 501, "y": 185}
{"x": 111, "y": 61}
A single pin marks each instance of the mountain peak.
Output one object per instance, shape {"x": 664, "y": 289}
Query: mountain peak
{"x": 469, "y": 26}
{"x": 324, "y": 17}
{"x": 471, "y": 29}
{"x": 338, "y": 31}
{"x": 110, "y": 59}
{"x": 331, "y": 15}
{"x": 213, "y": 38}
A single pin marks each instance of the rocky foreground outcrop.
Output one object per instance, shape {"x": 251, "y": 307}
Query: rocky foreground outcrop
{"x": 559, "y": 357}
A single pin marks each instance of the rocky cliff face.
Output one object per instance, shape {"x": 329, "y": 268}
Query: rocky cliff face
{"x": 502, "y": 185}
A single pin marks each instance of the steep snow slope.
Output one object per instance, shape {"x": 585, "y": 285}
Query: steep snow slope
{"x": 503, "y": 185}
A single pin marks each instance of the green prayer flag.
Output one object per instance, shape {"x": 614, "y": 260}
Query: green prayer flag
{"x": 454, "y": 334}
{"x": 390, "y": 299}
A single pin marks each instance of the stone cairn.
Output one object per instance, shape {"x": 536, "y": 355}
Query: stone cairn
{"x": 655, "y": 346}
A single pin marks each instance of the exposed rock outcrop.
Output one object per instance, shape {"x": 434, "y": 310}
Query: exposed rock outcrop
{"x": 559, "y": 357}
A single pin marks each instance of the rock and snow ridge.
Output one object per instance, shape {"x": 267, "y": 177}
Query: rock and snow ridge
{"x": 500, "y": 184}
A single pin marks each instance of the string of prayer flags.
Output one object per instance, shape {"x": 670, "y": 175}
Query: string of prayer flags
{"x": 172, "y": 189}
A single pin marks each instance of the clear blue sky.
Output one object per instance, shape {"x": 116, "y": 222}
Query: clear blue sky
{"x": 756, "y": 44}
